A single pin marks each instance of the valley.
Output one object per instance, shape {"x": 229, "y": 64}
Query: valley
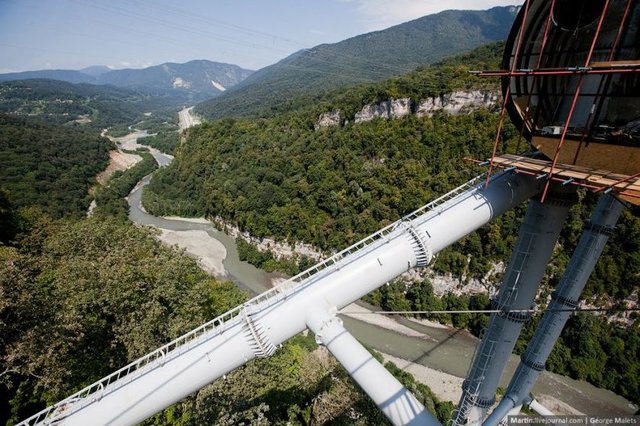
{"x": 427, "y": 349}
{"x": 192, "y": 81}
{"x": 180, "y": 238}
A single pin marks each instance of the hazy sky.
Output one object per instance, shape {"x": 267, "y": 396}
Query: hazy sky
{"x": 40, "y": 34}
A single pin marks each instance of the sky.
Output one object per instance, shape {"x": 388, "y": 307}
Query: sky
{"x": 73, "y": 34}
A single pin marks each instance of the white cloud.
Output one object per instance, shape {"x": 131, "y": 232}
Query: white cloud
{"x": 379, "y": 14}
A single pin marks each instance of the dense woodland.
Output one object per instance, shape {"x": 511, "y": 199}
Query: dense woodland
{"x": 48, "y": 165}
{"x": 80, "y": 297}
{"x": 110, "y": 198}
{"x": 165, "y": 141}
{"x": 278, "y": 177}
{"x": 88, "y": 106}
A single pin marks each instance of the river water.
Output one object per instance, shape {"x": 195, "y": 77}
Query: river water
{"x": 243, "y": 274}
{"x": 445, "y": 349}
{"x": 451, "y": 351}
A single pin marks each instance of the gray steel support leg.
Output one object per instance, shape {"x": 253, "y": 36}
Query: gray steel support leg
{"x": 592, "y": 242}
{"x": 537, "y": 238}
{"x": 395, "y": 401}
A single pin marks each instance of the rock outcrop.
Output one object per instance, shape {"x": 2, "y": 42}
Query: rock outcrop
{"x": 393, "y": 108}
{"x": 459, "y": 102}
{"x": 279, "y": 249}
{"x": 328, "y": 119}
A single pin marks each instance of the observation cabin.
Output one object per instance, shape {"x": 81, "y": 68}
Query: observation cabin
{"x": 571, "y": 84}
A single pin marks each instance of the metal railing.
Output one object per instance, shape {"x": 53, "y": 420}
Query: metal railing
{"x": 175, "y": 348}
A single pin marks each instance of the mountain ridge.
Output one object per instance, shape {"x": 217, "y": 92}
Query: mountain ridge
{"x": 196, "y": 80}
{"x": 364, "y": 58}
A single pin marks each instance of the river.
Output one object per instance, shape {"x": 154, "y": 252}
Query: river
{"x": 243, "y": 274}
{"x": 444, "y": 349}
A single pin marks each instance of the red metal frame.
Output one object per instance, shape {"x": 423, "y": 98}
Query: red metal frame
{"x": 628, "y": 178}
{"x": 580, "y": 72}
{"x": 601, "y": 85}
{"x": 574, "y": 101}
{"x": 543, "y": 46}
{"x": 505, "y": 101}
{"x": 621, "y": 27}
{"x": 561, "y": 71}
{"x": 594, "y": 188}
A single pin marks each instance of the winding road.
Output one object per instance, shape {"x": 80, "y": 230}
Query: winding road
{"x": 187, "y": 119}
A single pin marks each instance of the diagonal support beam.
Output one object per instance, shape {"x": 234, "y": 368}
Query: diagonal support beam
{"x": 393, "y": 399}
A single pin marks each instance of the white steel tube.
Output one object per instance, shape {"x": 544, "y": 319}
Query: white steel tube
{"x": 399, "y": 405}
{"x": 273, "y": 317}
{"x": 539, "y": 408}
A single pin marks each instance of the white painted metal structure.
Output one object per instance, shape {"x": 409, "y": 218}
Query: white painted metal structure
{"x": 393, "y": 399}
{"x": 205, "y": 354}
{"x": 539, "y": 408}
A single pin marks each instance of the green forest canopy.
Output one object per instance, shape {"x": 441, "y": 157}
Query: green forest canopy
{"x": 87, "y": 106}
{"x": 335, "y": 186}
{"x": 49, "y": 166}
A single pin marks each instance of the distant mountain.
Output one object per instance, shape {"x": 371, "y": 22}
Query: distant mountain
{"x": 95, "y": 70}
{"x": 69, "y": 76}
{"x": 192, "y": 81}
{"x": 200, "y": 78}
{"x": 368, "y": 57}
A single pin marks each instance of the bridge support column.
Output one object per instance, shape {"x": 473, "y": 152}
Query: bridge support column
{"x": 563, "y": 300}
{"x": 395, "y": 401}
{"x": 537, "y": 238}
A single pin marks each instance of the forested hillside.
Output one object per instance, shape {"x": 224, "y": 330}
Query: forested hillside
{"x": 279, "y": 177}
{"x": 365, "y": 58}
{"x": 84, "y": 105}
{"x": 81, "y": 297}
{"x": 49, "y": 166}
{"x": 193, "y": 81}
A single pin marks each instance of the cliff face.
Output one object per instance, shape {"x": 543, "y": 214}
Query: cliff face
{"x": 327, "y": 119}
{"x": 459, "y": 102}
{"x": 393, "y": 108}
